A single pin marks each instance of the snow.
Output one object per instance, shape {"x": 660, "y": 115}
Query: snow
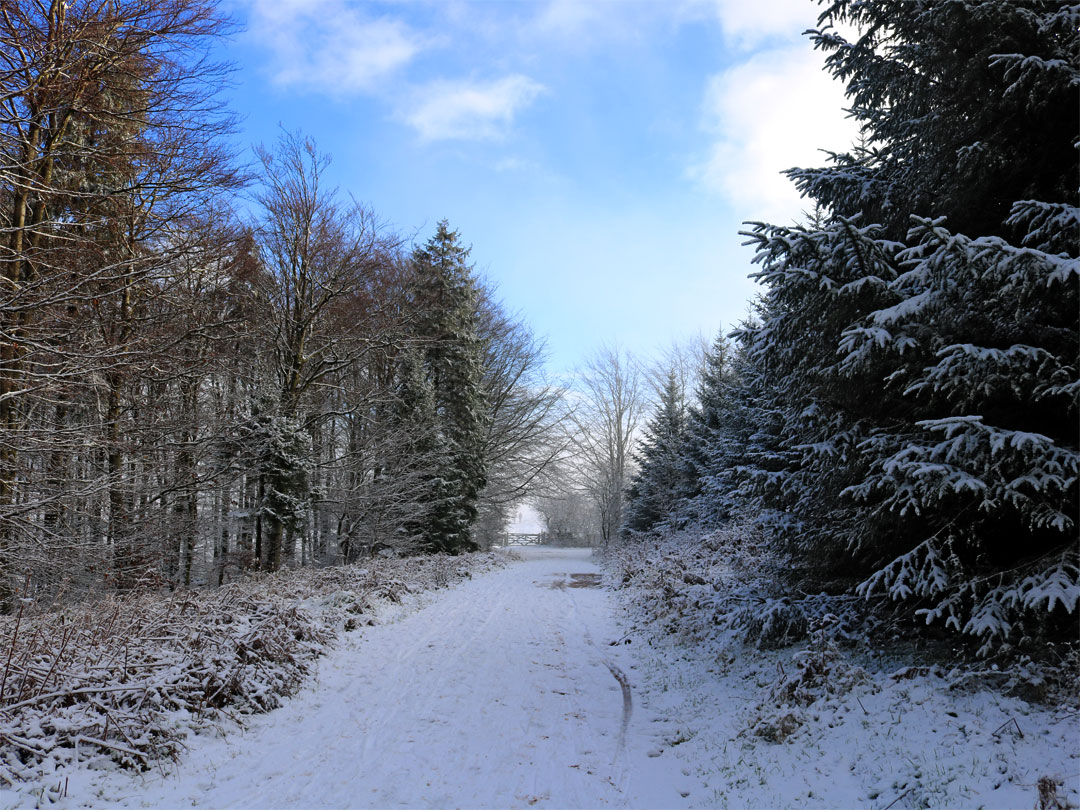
{"x": 871, "y": 723}
{"x": 526, "y": 520}
{"x": 882, "y": 736}
{"x": 502, "y": 692}
{"x": 529, "y": 685}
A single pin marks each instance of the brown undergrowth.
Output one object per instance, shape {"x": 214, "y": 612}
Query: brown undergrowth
{"x": 119, "y": 680}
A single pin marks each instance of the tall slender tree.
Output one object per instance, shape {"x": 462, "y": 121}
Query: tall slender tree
{"x": 604, "y": 424}
{"x": 317, "y": 255}
{"x": 719, "y": 425}
{"x": 448, "y": 330}
{"x": 110, "y": 143}
{"x": 660, "y": 486}
{"x": 524, "y": 440}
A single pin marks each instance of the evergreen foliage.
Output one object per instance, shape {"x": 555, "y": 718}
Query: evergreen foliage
{"x": 447, "y": 327}
{"x": 277, "y": 449}
{"x": 718, "y": 430}
{"x": 965, "y": 106}
{"x": 917, "y": 349}
{"x": 660, "y": 484}
{"x": 418, "y": 452}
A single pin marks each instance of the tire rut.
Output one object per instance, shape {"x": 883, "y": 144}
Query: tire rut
{"x": 627, "y": 701}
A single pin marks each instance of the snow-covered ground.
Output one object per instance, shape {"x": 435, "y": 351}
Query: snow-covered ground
{"x": 501, "y": 692}
{"x": 529, "y": 685}
{"x": 869, "y": 739}
{"x": 833, "y": 720}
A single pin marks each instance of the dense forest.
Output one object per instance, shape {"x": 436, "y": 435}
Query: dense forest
{"x": 245, "y": 421}
{"x": 210, "y": 363}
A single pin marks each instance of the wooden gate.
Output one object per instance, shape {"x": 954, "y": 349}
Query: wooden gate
{"x": 519, "y": 539}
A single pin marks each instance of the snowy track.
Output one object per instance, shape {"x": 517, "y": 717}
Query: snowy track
{"x": 503, "y": 692}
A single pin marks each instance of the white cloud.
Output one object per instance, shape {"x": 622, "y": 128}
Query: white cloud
{"x": 469, "y": 110}
{"x": 751, "y": 22}
{"x": 582, "y": 26}
{"x": 567, "y": 16}
{"x": 328, "y": 45}
{"x": 772, "y": 112}
{"x": 570, "y": 21}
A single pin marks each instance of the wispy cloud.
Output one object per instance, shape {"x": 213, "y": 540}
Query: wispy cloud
{"x": 584, "y": 25}
{"x": 774, "y": 111}
{"x": 329, "y": 46}
{"x": 749, "y": 24}
{"x": 573, "y": 18}
{"x": 469, "y": 110}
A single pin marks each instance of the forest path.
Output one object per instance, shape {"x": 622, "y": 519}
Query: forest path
{"x": 502, "y": 692}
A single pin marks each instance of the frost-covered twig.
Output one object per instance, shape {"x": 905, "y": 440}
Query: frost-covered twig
{"x": 129, "y": 675}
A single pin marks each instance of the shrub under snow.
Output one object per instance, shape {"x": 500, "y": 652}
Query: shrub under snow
{"x": 119, "y": 680}
{"x": 794, "y": 700}
{"x": 726, "y": 583}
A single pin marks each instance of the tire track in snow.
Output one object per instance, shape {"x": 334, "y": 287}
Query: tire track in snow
{"x": 592, "y": 580}
{"x": 627, "y": 701}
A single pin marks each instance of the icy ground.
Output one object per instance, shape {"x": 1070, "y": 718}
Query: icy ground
{"x": 502, "y": 692}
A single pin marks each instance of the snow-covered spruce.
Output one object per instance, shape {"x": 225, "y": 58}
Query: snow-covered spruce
{"x": 661, "y": 480}
{"x": 929, "y": 509}
{"x": 915, "y": 363}
{"x": 121, "y": 679}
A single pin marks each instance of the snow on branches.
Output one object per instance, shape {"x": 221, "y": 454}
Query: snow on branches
{"x": 917, "y": 350}
{"x": 943, "y": 389}
{"x": 122, "y": 680}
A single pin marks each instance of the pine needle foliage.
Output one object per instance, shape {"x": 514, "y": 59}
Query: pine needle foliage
{"x": 447, "y": 329}
{"x": 918, "y": 342}
{"x": 660, "y": 484}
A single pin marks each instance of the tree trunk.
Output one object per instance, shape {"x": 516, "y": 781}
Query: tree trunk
{"x": 259, "y": 561}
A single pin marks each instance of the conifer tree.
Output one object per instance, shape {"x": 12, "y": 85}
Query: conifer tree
{"x": 713, "y": 431}
{"x": 417, "y": 458}
{"x": 918, "y": 346}
{"x": 965, "y": 106}
{"x": 445, "y": 297}
{"x": 660, "y": 484}
{"x": 277, "y": 450}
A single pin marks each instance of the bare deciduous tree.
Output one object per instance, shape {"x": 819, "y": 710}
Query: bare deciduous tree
{"x": 605, "y": 417}
{"x": 318, "y": 255}
{"x": 110, "y": 141}
{"x": 524, "y": 435}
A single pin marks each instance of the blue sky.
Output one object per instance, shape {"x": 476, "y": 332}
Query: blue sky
{"x": 598, "y": 155}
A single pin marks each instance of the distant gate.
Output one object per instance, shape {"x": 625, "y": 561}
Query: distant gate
{"x": 518, "y": 539}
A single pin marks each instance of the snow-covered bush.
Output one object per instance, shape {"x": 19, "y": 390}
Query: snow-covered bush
{"x": 120, "y": 680}
{"x": 726, "y": 584}
{"x": 116, "y": 677}
{"x": 820, "y": 677}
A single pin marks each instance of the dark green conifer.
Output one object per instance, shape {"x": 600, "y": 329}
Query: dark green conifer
{"x": 447, "y": 329}
{"x": 660, "y": 485}
{"x": 918, "y": 342}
